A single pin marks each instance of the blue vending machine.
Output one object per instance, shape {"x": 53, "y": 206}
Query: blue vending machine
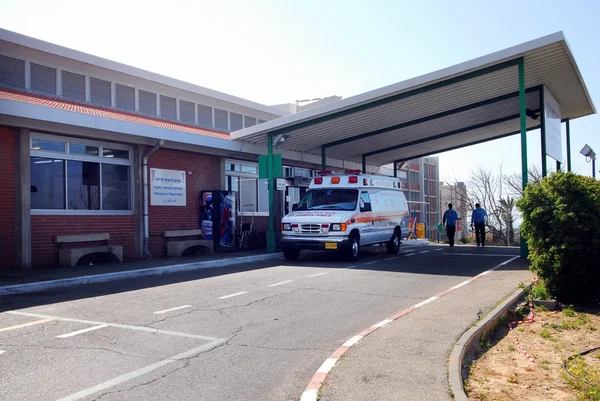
{"x": 217, "y": 218}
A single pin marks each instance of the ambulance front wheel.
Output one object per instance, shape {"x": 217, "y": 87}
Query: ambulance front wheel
{"x": 393, "y": 245}
{"x": 291, "y": 254}
{"x": 353, "y": 251}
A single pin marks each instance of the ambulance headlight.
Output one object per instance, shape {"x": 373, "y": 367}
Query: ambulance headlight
{"x": 338, "y": 227}
{"x": 286, "y": 227}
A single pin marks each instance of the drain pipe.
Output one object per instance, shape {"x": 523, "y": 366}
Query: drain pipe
{"x": 145, "y": 179}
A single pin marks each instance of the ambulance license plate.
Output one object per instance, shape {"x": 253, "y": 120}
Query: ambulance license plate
{"x": 331, "y": 245}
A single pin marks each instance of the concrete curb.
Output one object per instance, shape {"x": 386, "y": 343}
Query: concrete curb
{"x": 151, "y": 271}
{"x": 472, "y": 336}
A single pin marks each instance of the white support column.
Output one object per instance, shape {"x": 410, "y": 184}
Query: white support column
{"x": 27, "y": 75}
{"x": 113, "y": 94}
{"x": 88, "y": 95}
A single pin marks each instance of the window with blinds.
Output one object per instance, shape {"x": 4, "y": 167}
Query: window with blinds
{"x": 237, "y": 121}
{"x": 147, "y": 102}
{"x": 186, "y": 112}
{"x": 205, "y": 116}
{"x": 125, "y": 97}
{"x": 100, "y": 92}
{"x": 249, "y": 121}
{"x": 168, "y": 107}
{"x": 43, "y": 79}
{"x": 12, "y": 72}
{"x": 73, "y": 86}
{"x": 221, "y": 119}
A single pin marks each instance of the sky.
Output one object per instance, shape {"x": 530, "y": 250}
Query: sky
{"x": 276, "y": 51}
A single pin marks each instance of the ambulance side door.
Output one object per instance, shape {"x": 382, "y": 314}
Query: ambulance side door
{"x": 367, "y": 231}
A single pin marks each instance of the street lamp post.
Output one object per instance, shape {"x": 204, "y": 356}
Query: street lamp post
{"x": 589, "y": 153}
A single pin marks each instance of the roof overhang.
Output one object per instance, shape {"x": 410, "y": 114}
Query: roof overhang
{"x": 468, "y": 103}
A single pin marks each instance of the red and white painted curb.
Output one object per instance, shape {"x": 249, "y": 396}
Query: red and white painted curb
{"x": 529, "y": 319}
{"x": 315, "y": 384}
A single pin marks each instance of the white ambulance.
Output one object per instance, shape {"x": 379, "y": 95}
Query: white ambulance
{"x": 344, "y": 211}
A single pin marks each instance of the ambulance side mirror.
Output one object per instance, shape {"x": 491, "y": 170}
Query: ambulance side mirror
{"x": 294, "y": 207}
{"x": 365, "y": 207}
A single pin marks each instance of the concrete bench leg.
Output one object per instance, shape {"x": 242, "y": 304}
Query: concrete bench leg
{"x": 176, "y": 248}
{"x": 70, "y": 257}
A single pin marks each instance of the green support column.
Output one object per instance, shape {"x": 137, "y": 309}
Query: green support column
{"x": 395, "y": 169}
{"x": 543, "y": 134}
{"x": 271, "y": 231}
{"x": 323, "y": 158}
{"x": 568, "y": 145}
{"x": 364, "y": 164}
{"x": 523, "y": 116}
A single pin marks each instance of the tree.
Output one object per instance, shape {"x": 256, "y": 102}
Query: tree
{"x": 515, "y": 181}
{"x": 561, "y": 222}
{"x": 507, "y": 209}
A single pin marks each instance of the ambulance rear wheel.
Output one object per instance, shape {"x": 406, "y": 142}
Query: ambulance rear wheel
{"x": 393, "y": 245}
{"x": 291, "y": 254}
{"x": 353, "y": 251}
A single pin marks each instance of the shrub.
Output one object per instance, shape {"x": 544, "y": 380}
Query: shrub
{"x": 561, "y": 222}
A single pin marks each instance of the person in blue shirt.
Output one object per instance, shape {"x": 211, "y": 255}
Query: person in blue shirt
{"x": 478, "y": 219}
{"x": 449, "y": 220}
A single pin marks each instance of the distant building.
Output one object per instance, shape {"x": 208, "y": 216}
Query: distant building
{"x": 457, "y": 195}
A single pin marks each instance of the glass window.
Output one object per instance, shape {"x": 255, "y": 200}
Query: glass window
{"x": 116, "y": 153}
{"x": 115, "y": 187}
{"x": 83, "y": 149}
{"x": 329, "y": 199}
{"x": 51, "y": 146}
{"x": 47, "y": 183}
{"x": 248, "y": 169}
{"x": 248, "y": 192}
{"x": 263, "y": 195}
{"x": 83, "y": 185}
{"x": 63, "y": 182}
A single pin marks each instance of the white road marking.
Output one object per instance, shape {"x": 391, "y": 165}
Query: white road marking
{"x": 120, "y": 326}
{"x": 327, "y": 365}
{"x": 318, "y": 274}
{"x": 351, "y": 267}
{"x": 2, "y": 352}
{"x": 309, "y": 395}
{"x": 461, "y": 284}
{"x": 479, "y": 254}
{"x": 233, "y": 295}
{"x": 172, "y": 309}
{"x": 276, "y": 284}
{"x": 428, "y": 300}
{"x": 393, "y": 257}
{"x": 139, "y": 372}
{"x": 382, "y": 323}
{"x": 19, "y": 326}
{"x": 74, "y": 333}
{"x": 411, "y": 254}
{"x": 352, "y": 341}
{"x": 439, "y": 249}
{"x": 370, "y": 263}
{"x": 424, "y": 252}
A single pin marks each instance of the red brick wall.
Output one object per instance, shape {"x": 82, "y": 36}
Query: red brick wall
{"x": 44, "y": 252}
{"x": 205, "y": 176}
{"x": 8, "y": 162}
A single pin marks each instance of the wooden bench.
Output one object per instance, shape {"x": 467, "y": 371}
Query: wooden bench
{"x": 176, "y": 247}
{"x": 70, "y": 256}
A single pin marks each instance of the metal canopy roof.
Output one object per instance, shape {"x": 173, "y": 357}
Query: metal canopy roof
{"x": 468, "y": 103}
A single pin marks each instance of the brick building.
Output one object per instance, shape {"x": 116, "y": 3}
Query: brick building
{"x": 74, "y": 130}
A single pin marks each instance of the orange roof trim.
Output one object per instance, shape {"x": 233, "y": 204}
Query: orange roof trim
{"x": 55, "y": 103}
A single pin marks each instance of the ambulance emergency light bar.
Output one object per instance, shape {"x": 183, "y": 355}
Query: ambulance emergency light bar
{"x": 353, "y": 179}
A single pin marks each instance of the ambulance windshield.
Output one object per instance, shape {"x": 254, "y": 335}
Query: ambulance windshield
{"x": 329, "y": 199}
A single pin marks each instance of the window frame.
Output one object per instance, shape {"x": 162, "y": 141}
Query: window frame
{"x": 66, "y": 156}
{"x": 240, "y": 174}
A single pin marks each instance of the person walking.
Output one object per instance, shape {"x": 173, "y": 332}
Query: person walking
{"x": 478, "y": 219}
{"x": 449, "y": 220}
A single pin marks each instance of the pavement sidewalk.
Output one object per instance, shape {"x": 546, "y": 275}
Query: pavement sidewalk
{"x": 407, "y": 359}
{"x": 18, "y": 281}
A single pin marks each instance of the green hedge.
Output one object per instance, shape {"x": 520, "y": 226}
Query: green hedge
{"x": 561, "y": 223}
